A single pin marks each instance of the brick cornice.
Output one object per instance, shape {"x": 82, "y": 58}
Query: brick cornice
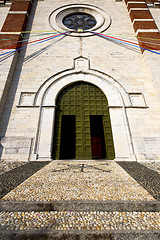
{"x": 15, "y": 22}
{"x": 143, "y": 24}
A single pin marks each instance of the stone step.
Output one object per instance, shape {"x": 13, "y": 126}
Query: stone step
{"x": 60, "y": 201}
{"x": 82, "y": 206}
{"x": 80, "y": 235}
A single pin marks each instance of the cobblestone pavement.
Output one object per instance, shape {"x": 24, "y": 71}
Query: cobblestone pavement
{"x": 80, "y": 220}
{"x": 6, "y": 166}
{"x": 152, "y": 165}
{"x": 17, "y": 174}
{"x": 145, "y": 174}
{"x": 84, "y": 180}
{"x": 80, "y": 180}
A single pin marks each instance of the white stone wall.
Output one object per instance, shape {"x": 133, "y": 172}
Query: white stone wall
{"x": 6, "y": 63}
{"x": 156, "y": 15}
{"x": 125, "y": 64}
{"x": 7, "y": 67}
{"x": 3, "y": 14}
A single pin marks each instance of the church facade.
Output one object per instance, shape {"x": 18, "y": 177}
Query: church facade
{"x": 80, "y": 80}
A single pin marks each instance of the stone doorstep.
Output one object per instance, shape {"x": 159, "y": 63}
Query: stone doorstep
{"x": 81, "y": 206}
{"x": 80, "y": 235}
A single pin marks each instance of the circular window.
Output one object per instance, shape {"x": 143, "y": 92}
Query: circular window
{"x": 79, "y": 21}
{"x": 79, "y": 17}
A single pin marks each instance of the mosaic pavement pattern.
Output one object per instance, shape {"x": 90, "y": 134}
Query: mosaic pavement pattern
{"x": 80, "y": 180}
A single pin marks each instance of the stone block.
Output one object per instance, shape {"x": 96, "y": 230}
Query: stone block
{"x": 16, "y": 147}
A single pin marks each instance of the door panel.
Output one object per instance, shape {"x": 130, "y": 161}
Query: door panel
{"x": 96, "y": 147}
{"x": 97, "y": 137}
{"x": 67, "y": 144}
{"x": 82, "y": 100}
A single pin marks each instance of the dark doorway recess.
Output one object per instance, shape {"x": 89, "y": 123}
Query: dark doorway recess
{"x": 67, "y": 144}
{"x": 97, "y": 137}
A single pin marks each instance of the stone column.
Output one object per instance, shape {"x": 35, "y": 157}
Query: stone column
{"x": 45, "y": 132}
{"x": 121, "y": 134}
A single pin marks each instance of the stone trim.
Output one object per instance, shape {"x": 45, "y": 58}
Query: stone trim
{"x": 156, "y": 4}
{"x": 142, "y": 20}
{"x": 135, "y": 3}
{"x": 146, "y": 30}
{"x": 138, "y": 9}
{"x": 4, "y": 33}
{"x": 18, "y": 12}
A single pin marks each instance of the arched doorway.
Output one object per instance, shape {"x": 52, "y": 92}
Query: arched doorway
{"x": 82, "y": 124}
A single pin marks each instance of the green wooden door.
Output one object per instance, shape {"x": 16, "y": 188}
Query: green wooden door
{"x": 82, "y": 100}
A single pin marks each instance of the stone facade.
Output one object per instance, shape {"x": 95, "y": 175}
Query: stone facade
{"x": 32, "y": 78}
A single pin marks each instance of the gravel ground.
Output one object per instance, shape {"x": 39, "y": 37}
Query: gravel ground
{"x": 6, "y": 166}
{"x": 80, "y": 220}
{"x": 80, "y": 180}
{"x": 11, "y": 179}
{"x": 152, "y": 165}
{"x": 146, "y": 174}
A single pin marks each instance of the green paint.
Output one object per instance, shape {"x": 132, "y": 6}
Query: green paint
{"x": 83, "y": 99}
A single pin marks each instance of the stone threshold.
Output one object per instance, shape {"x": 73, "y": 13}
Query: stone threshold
{"x": 80, "y": 235}
{"x": 80, "y": 206}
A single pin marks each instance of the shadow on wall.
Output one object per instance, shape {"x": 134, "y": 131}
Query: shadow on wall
{"x": 147, "y": 178}
{"x": 36, "y": 54}
{"x": 14, "y": 83}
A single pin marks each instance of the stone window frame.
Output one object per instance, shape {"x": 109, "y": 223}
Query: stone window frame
{"x": 103, "y": 20}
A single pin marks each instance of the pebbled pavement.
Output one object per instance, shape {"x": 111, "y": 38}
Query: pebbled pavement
{"x": 11, "y": 179}
{"x": 146, "y": 177}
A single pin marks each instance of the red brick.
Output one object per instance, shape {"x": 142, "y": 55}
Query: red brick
{"x": 151, "y": 1}
{"x": 10, "y": 41}
{"x": 144, "y": 25}
{"x": 15, "y": 23}
{"x": 140, "y": 14}
{"x": 152, "y": 38}
{"x": 137, "y": 5}
{"x": 21, "y": 6}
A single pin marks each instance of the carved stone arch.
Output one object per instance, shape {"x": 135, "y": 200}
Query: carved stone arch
{"x": 112, "y": 93}
{"x": 115, "y": 93}
{"x": 117, "y": 98}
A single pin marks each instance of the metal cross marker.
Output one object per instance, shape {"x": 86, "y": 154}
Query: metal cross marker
{"x": 81, "y": 168}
